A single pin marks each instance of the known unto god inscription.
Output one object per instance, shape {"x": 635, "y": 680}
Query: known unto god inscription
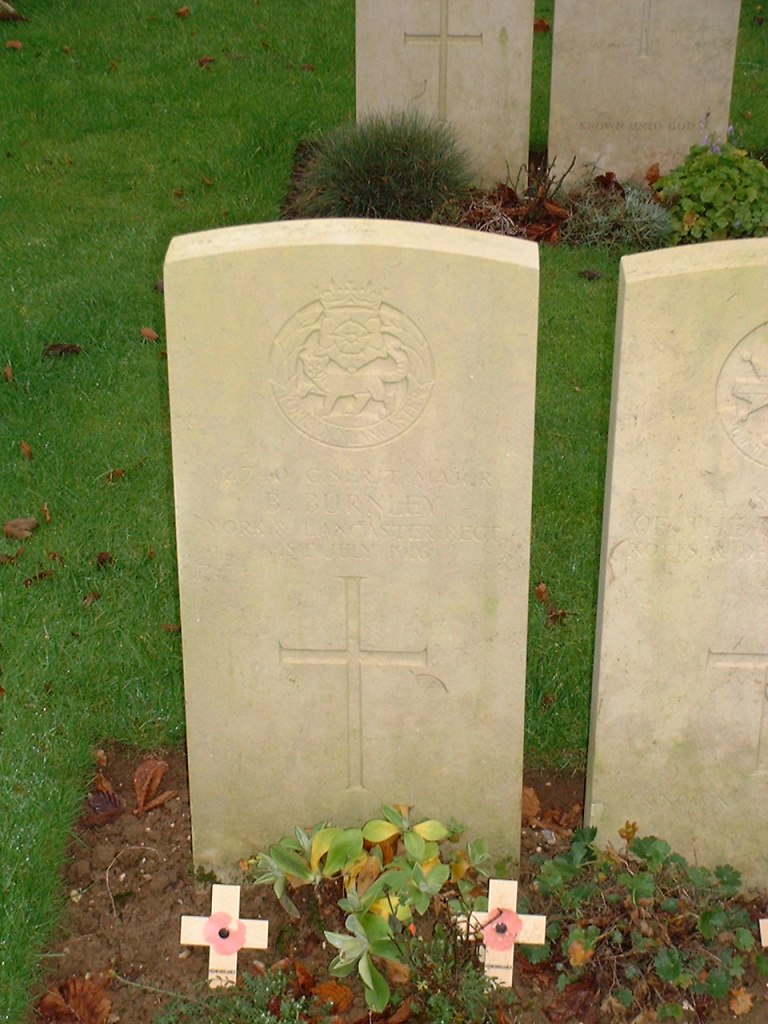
{"x": 352, "y": 445}
{"x": 463, "y": 61}
{"x": 679, "y": 737}
{"x": 639, "y": 82}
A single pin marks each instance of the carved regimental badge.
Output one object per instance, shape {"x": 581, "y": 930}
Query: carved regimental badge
{"x": 350, "y": 370}
{"x": 742, "y": 395}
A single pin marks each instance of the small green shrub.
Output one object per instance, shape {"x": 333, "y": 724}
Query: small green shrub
{"x": 392, "y": 868}
{"x": 398, "y": 167}
{"x": 717, "y": 192}
{"x": 630, "y": 218}
{"x": 257, "y": 999}
{"x": 667, "y": 933}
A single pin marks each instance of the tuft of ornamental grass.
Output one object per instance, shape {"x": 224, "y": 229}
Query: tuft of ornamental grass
{"x": 629, "y": 218}
{"x": 397, "y": 166}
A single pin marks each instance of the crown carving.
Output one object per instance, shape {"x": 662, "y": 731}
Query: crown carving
{"x": 348, "y": 293}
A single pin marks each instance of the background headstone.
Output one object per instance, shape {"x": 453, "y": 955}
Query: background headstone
{"x": 352, "y": 417}
{"x": 679, "y": 738}
{"x": 463, "y": 61}
{"x": 638, "y": 82}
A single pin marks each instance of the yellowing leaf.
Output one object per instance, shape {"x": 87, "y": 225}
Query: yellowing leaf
{"x": 432, "y": 830}
{"x": 459, "y": 865}
{"x": 377, "y": 830}
{"x": 578, "y": 955}
{"x": 740, "y": 1002}
{"x": 321, "y": 844}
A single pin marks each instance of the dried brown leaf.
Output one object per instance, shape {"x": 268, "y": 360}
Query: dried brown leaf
{"x": 44, "y": 574}
{"x": 103, "y": 801}
{"x": 91, "y": 598}
{"x": 14, "y": 44}
{"x": 531, "y": 804}
{"x": 26, "y": 450}
{"x": 158, "y": 801}
{"x": 339, "y": 997}
{"x": 183, "y": 12}
{"x": 397, "y": 973}
{"x": 62, "y": 350}
{"x": 45, "y": 512}
{"x": 104, "y": 558}
{"x": 576, "y": 1002}
{"x": 8, "y": 372}
{"x": 149, "y": 335}
{"x": 76, "y": 1001}
{"x": 146, "y": 782}
{"x": 305, "y": 981}
{"x": 20, "y": 529}
{"x": 114, "y": 474}
{"x": 541, "y": 25}
{"x": 205, "y": 62}
{"x": 740, "y": 1002}
{"x": 542, "y": 592}
{"x": 171, "y": 627}
{"x": 10, "y": 559}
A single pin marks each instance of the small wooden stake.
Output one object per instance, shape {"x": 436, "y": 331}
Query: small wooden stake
{"x": 503, "y": 928}
{"x": 225, "y": 934}
{"x": 764, "y": 931}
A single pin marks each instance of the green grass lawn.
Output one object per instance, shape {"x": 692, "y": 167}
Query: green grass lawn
{"x": 115, "y": 139}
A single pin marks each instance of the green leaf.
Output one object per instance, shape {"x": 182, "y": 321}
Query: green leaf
{"x": 376, "y": 988}
{"x": 415, "y": 846}
{"x": 642, "y": 886}
{"x": 711, "y": 923}
{"x": 291, "y": 863}
{"x": 344, "y": 848}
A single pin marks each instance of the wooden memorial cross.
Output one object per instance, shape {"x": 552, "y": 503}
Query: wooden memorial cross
{"x": 225, "y": 933}
{"x": 502, "y": 928}
{"x": 764, "y": 931}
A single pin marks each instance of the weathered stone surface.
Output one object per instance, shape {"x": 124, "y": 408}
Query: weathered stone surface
{"x": 639, "y": 82}
{"x": 463, "y": 61}
{"x": 680, "y": 706}
{"x": 352, "y": 417}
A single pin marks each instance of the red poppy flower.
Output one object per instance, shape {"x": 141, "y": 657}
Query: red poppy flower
{"x": 501, "y": 930}
{"x": 224, "y": 934}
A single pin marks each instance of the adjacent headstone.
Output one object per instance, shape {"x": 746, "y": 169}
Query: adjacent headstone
{"x": 352, "y": 410}
{"x": 463, "y": 61}
{"x": 638, "y": 82}
{"x": 225, "y": 933}
{"x": 679, "y": 739}
{"x": 501, "y": 928}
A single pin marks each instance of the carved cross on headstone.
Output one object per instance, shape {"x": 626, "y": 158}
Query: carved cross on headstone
{"x": 443, "y": 39}
{"x": 754, "y": 667}
{"x": 225, "y": 933}
{"x": 645, "y": 28}
{"x": 502, "y": 928}
{"x": 354, "y": 657}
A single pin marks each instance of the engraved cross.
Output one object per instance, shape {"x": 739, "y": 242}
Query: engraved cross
{"x": 645, "y": 29}
{"x": 443, "y": 39}
{"x": 354, "y": 657}
{"x": 755, "y": 668}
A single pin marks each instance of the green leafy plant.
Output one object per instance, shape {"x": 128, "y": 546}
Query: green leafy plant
{"x": 257, "y": 999}
{"x": 645, "y": 929}
{"x": 718, "y": 192}
{"x": 400, "y": 167}
{"x": 391, "y": 869}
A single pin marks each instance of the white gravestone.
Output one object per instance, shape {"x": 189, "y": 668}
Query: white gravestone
{"x": 638, "y": 82}
{"x": 352, "y": 418}
{"x": 464, "y": 61}
{"x": 679, "y": 739}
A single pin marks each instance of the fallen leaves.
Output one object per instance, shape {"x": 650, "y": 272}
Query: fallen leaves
{"x": 26, "y": 450}
{"x": 20, "y": 529}
{"x": 205, "y": 62}
{"x": 76, "y": 1001}
{"x": 740, "y": 1002}
{"x": 103, "y": 801}
{"x": 148, "y": 334}
{"x": 14, "y": 44}
{"x": 555, "y": 616}
{"x": 183, "y": 12}
{"x": 560, "y": 821}
{"x": 146, "y": 782}
{"x": 8, "y": 373}
{"x": 114, "y": 474}
{"x": 62, "y": 350}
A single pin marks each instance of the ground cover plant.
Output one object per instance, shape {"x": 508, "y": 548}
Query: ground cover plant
{"x": 123, "y": 125}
